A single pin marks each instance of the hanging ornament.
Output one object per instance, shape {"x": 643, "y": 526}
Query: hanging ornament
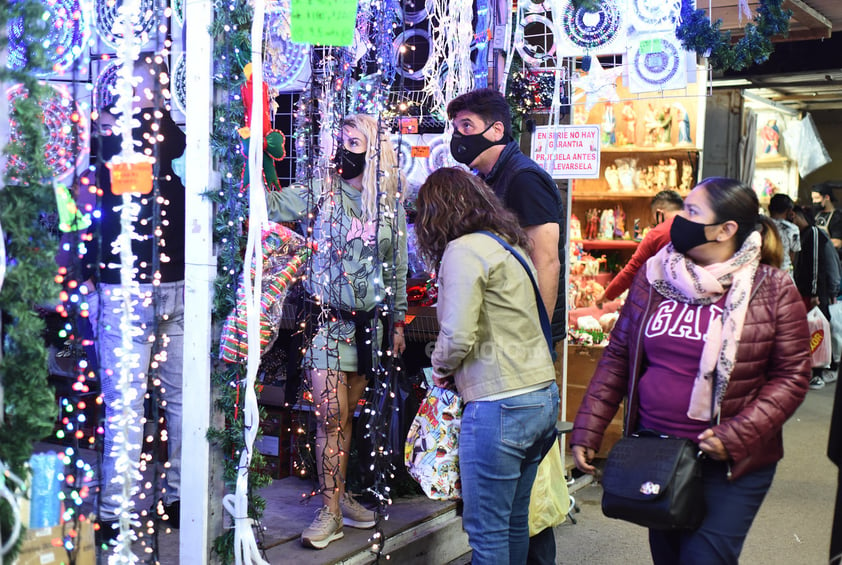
{"x": 535, "y": 39}
{"x": 598, "y": 84}
{"x": 654, "y": 15}
{"x": 106, "y": 16}
{"x": 284, "y": 61}
{"x": 69, "y": 27}
{"x": 67, "y": 130}
{"x": 599, "y": 32}
{"x": 103, "y": 94}
{"x": 179, "y": 89}
{"x": 656, "y": 62}
{"x": 405, "y": 160}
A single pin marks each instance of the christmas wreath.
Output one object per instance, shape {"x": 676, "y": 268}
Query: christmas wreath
{"x": 696, "y": 33}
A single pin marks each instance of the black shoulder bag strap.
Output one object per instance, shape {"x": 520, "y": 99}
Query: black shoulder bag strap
{"x": 542, "y": 311}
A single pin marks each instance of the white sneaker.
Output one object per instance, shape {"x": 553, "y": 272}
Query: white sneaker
{"x": 355, "y": 515}
{"x": 816, "y": 382}
{"x": 830, "y": 376}
{"x": 326, "y": 528}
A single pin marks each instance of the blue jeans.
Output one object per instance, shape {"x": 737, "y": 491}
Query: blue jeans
{"x": 170, "y": 325}
{"x": 500, "y": 446}
{"x": 731, "y": 508}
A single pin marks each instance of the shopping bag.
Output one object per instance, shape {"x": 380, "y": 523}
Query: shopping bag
{"x": 550, "y": 499}
{"x": 836, "y": 330}
{"x": 820, "y": 347}
{"x": 431, "y": 452}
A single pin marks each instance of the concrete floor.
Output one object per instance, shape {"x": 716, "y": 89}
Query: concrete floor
{"x": 792, "y": 527}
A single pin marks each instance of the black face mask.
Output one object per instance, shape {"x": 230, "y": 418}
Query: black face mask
{"x": 466, "y": 148}
{"x": 351, "y": 165}
{"x": 686, "y": 235}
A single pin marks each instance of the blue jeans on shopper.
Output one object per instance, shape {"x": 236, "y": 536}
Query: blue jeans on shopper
{"x": 731, "y": 508}
{"x": 500, "y": 446}
{"x": 170, "y": 324}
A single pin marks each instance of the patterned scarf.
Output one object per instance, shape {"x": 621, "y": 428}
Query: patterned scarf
{"x": 675, "y": 276}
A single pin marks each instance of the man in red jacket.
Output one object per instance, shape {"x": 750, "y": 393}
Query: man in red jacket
{"x": 665, "y": 205}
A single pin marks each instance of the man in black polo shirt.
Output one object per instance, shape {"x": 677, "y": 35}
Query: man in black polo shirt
{"x": 482, "y": 140}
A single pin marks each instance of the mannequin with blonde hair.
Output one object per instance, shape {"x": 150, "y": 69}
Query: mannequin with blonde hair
{"x": 359, "y": 263}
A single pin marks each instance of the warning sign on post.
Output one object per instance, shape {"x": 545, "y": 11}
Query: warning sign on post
{"x": 567, "y": 152}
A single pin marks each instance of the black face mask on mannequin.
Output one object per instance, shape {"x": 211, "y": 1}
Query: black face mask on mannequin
{"x": 466, "y": 148}
{"x": 351, "y": 165}
{"x": 686, "y": 235}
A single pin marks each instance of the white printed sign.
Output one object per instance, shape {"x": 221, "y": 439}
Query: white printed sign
{"x": 567, "y": 152}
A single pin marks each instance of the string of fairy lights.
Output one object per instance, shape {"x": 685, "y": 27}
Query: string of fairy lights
{"x": 372, "y": 77}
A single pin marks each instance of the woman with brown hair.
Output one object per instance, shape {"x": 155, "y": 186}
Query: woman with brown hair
{"x": 493, "y": 350}
{"x": 709, "y": 328}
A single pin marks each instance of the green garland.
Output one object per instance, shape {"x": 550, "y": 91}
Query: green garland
{"x": 696, "y": 33}
{"x": 31, "y": 245}
{"x": 231, "y": 30}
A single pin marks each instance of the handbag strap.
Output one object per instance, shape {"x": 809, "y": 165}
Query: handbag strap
{"x": 542, "y": 311}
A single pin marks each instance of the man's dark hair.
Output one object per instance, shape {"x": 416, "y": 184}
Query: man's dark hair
{"x": 668, "y": 199}
{"x": 780, "y": 204}
{"x": 487, "y": 103}
{"x": 825, "y": 189}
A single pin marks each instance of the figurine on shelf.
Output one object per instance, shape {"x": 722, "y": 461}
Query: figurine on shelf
{"x": 630, "y": 116}
{"x": 609, "y": 124}
{"x": 661, "y": 176}
{"x": 612, "y": 177}
{"x": 686, "y": 176}
{"x": 683, "y": 124}
{"x": 664, "y": 117}
{"x": 636, "y": 235}
{"x": 770, "y": 136}
{"x": 626, "y": 172}
{"x": 619, "y": 222}
{"x": 651, "y": 125}
{"x": 606, "y": 224}
{"x": 592, "y": 229}
{"x": 575, "y": 227}
{"x": 672, "y": 174}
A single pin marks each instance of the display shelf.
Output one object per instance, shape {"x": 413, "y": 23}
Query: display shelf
{"x": 607, "y": 243}
{"x": 669, "y": 150}
{"x": 617, "y": 195}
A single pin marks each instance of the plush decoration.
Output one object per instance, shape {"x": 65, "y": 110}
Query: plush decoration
{"x": 273, "y": 140}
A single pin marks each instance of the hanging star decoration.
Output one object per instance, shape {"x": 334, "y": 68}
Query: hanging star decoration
{"x": 597, "y": 84}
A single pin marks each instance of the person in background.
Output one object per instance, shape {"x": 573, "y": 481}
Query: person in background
{"x": 492, "y": 350}
{"x": 824, "y": 208}
{"x": 834, "y": 453}
{"x": 781, "y": 211}
{"x": 361, "y": 257}
{"x": 816, "y": 274}
{"x": 665, "y": 205}
{"x": 482, "y": 140}
{"x": 159, "y": 309}
{"x": 707, "y": 318}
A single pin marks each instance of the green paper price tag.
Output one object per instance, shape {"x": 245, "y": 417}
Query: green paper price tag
{"x": 323, "y": 22}
{"x": 650, "y": 46}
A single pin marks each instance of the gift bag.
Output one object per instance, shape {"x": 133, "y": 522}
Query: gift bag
{"x": 820, "y": 347}
{"x": 431, "y": 452}
{"x": 550, "y": 499}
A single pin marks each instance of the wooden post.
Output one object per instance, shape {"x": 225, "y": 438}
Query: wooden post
{"x": 198, "y": 526}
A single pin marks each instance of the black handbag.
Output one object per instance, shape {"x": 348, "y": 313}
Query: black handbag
{"x": 654, "y": 481}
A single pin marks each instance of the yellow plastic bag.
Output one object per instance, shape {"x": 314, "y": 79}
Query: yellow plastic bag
{"x": 550, "y": 501}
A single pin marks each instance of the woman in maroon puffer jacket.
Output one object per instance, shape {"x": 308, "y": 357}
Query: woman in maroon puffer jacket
{"x": 708, "y": 311}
